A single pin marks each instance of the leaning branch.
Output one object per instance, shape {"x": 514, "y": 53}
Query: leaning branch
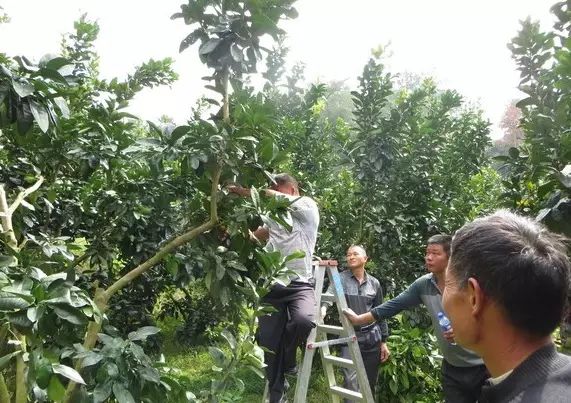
{"x": 7, "y": 211}
{"x": 102, "y": 296}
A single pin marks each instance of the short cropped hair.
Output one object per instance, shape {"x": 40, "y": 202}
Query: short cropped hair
{"x": 284, "y": 178}
{"x": 519, "y": 265}
{"x": 441, "y": 239}
{"x": 360, "y": 247}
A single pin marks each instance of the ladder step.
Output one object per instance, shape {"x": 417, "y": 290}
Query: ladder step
{"x": 332, "y": 342}
{"x": 347, "y": 393}
{"x": 338, "y": 330}
{"x": 328, "y": 298}
{"x": 339, "y": 361}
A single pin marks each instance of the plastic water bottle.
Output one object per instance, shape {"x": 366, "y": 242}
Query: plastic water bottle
{"x": 444, "y": 323}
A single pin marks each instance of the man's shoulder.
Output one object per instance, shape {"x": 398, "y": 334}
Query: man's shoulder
{"x": 424, "y": 279}
{"x": 346, "y": 273}
{"x": 304, "y": 201}
{"x": 422, "y": 284}
{"x": 373, "y": 279}
{"x": 553, "y": 386}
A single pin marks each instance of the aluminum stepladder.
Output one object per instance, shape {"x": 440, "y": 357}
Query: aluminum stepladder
{"x": 318, "y": 340}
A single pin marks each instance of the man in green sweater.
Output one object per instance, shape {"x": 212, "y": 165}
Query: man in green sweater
{"x": 506, "y": 288}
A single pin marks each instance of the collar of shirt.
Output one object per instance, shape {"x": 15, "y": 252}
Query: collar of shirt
{"x": 433, "y": 282}
{"x": 365, "y": 278}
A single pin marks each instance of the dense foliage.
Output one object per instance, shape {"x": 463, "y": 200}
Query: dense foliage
{"x": 110, "y": 224}
{"x": 539, "y": 179}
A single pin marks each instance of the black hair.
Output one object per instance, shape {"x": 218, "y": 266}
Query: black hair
{"x": 441, "y": 239}
{"x": 518, "y": 264}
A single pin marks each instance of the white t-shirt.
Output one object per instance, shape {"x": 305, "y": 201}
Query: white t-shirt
{"x": 304, "y": 220}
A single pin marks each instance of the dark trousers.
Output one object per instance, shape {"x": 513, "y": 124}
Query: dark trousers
{"x": 283, "y": 331}
{"x": 463, "y": 384}
{"x": 371, "y": 359}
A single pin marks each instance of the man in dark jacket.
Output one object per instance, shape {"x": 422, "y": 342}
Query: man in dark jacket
{"x": 362, "y": 292}
{"x": 505, "y": 292}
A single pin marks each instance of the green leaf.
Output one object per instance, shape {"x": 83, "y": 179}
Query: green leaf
{"x": 6, "y": 359}
{"x": 68, "y": 372}
{"x": 143, "y": 333}
{"x": 236, "y": 53}
{"x": 565, "y": 176}
{"x": 57, "y": 63}
{"x": 23, "y": 88}
{"x": 102, "y": 391}
{"x": 220, "y": 270}
{"x": 70, "y": 314}
{"x": 150, "y": 374}
{"x": 267, "y": 148}
{"x": 255, "y": 198}
{"x": 56, "y": 391}
{"x": 298, "y": 254}
{"x": 178, "y": 133}
{"x": 28, "y": 205}
{"x": 53, "y": 75}
{"x": 194, "y": 162}
{"x": 63, "y": 107}
{"x": 191, "y": 39}
{"x": 122, "y": 394}
{"x": 248, "y": 138}
{"x": 209, "y": 46}
{"x": 43, "y": 375}
{"x": 8, "y": 261}
{"x": 393, "y": 386}
{"x": 229, "y": 338}
{"x": 19, "y": 319}
{"x": 10, "y": 302}
{"x": 225, "y": 296}
{"x": 218, "y": 356}
{"x": 91, "y": 359}
{"x": 24, "y": 117}
{"x": 257, "y": 371}
{"x": 525, "y": 102}
{"x": 513, "y": 152}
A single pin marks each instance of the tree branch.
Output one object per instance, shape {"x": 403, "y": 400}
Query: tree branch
{"x": 4, "y": 395}
{"x": 6, "y": 219}
{"x": 25, "y": 193}
{"x": 7, "y": 211}
{"x": 225, "y": 101}
{"x": 102, "y": 297}
{"x": 174, "y": 244}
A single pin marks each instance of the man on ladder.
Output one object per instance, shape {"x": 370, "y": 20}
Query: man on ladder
{"x": 283, "y": 331}
{"x": 362, "y": 292}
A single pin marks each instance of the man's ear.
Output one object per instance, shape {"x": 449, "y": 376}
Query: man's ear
{"x": 476, "y": 296}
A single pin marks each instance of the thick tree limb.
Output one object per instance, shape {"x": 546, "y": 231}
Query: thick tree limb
{"x": 102, "y": 296}
{"x": 7, "y": 211}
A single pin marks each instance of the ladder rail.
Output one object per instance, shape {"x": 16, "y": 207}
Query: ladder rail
{"x": 354, "y": 350}
{"x": 318, "y": 339}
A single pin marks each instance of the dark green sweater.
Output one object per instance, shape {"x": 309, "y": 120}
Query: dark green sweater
{"x": 545, "y": 376}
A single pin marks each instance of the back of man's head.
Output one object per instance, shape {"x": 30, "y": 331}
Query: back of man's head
{"x": 285, "y": 178}
{"x": 519, "y": 265}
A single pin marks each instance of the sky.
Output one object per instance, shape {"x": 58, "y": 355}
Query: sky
{"x": 462, "y": 44}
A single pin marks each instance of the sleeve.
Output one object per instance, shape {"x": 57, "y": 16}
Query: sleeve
{"x": 405, "y": 300}
{"x": 383, "y": 323}
{"x": 303, "y": 208}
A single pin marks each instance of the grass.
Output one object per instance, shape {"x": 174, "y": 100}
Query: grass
{"x": 196, "y": 363}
